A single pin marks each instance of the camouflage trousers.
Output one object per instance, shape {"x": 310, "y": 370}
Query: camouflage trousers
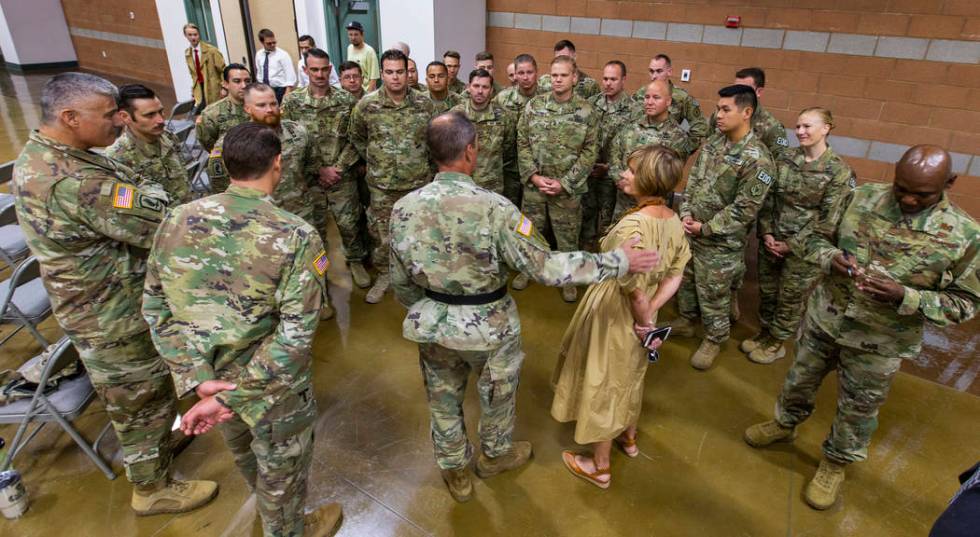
{"x": 864, "y": 380}
{"x": 378, "y": 216}
{"x": 705, "y": 291}
{"x": 562, "y": 213}
{"x": 784, "y": 285}
{"x": 445, "y": 372}
{"x": 343, "y": 202}
{"x": 513, "y": 187}
{"x": 597, "y": 210}
{"x": 274, "y": 458}
{"x": 134, "y": 384}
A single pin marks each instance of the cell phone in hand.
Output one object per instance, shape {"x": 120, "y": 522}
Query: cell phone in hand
{"x": 659, "y": 333}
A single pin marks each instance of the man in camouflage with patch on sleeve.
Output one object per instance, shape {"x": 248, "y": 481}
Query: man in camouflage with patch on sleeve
{"x": 222, "y": 115}
{"x": 324, "y": 112}
{"x": 767, "y": 128}
{"x": 585, "y": 86}
{"x": 615, "y": 110}
{"x": 556, "y": 147}
{"x": 453, "y": 244}
{"x": 388, "y": 129}
{"x": 89, "y": 225}
{"x": 894, "y": 257}
{"x": 653, "y": 127}
{"x": 725, "y": 189}
{"x": 147, "y": 147}
{"x": 233, "y": 294}
{"x": 683, "y": 106}
{"x": 495, "y": 127}
{"x": 514, "y": 99}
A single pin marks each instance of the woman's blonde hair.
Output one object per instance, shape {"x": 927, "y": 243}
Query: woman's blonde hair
{"x": 824, "y": 114}
{"x": 656, "y": 170}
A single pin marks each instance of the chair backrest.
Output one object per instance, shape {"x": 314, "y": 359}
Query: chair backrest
{"x": 181, "y": 109}
{"x": 63, "y": 354}
{"x": 6, "y": 172}
{"x": 183, "y": 132}
{"x": 27, "y": 270}
{"x": 8, "y": 215}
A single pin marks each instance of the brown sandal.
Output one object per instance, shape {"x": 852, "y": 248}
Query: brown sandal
{"x": 626, "y": 443}
{"x": 568, "y": 458}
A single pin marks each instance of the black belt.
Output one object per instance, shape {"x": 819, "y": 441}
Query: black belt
{"x": 467, "y": 300}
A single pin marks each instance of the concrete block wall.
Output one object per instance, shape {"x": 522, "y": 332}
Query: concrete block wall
{"x": 894, "y": 72}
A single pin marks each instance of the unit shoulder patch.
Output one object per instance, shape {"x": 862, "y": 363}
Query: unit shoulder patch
{"x": 764, "y": 177}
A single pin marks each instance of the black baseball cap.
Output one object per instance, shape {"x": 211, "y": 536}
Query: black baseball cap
{"x": 355, "y": 25}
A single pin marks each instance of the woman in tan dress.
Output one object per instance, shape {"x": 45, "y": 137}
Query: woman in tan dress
{"x": 599, "y": 377}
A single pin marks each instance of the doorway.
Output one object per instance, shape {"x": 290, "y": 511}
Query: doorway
{"x": 340, "y": 12}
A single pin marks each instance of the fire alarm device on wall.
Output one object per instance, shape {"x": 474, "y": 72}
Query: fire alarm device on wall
{"x": 733, "y": 21}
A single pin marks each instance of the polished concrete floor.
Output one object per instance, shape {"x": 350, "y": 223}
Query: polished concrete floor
{"x": 695, "y": 475}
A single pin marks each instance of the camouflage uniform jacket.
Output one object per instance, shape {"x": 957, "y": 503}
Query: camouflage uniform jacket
{"x": 683, "y": 106}
{"x": 803, "y": 192}
{"x": 935, "y": 254}
{"x": 496, "y": 130}
{"x": 292, "y": 191}
{"x": 216, "y": 119}
{"x": 161, "y": 162}
{"x": 456, "y": 238}
{"x": 726, "y": 188}
{"x": 233, "y": 291}
{"x": 439, "y": 107}
{"x": 613, "y": 117}
{"x": 390, "y": 138}
{"x": 457, "y": 86}
{"x": 514, "y": 101}
{"x": 768, "y": 129}
{"x": 586, "y": 87}
{"x": 326, "y": 120}
{"x": 89, "y": 225}
{"x": 558, "y": 140}
{"x": 640, "y": 133}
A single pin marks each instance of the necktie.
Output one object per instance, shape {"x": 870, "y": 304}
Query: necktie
{"x": 265, "y": 69}
{"x": 197, "y": 65}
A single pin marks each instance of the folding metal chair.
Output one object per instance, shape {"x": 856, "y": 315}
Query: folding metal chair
{"x": 198, "y": 176}
{"x": 181, "y": 116}
{"x": 13, "y": 243}
{"x": 6, "y": 172}
{"x": 25, "y": 302}
{"x": 63, "y": 405}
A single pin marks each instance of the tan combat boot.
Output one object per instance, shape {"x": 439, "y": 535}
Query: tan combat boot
{"x": 521, "y": 281}
{"x": 735, "y": 313}
{"x": 749, "y": 345}
{"x": 768, "y": 432}
{"x": 520, "y": 452}
{"x": 324, "y": 521}
{"x": 459, "y": 484}
{"x": 821, "y": 492}
{"x": 360, "y": 275}
{"x": 684, "y": 327}
{"x": 377, "y": 293}
{"x": 705, "y": 355}
{"x": 172, "y": 496}
{"x": 768, "y": 351}
{"x": 569, "y": 293}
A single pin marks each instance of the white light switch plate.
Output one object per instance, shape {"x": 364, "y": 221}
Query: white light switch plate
{"x": 685, "y": 75}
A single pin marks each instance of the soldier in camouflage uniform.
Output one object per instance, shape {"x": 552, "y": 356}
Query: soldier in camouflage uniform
{"x": 585, "y": 87}
{"x": 895, "y": 257}
{"x": 436, "y": 82}
{"x": 811, "y": 181}
{"x": 453, "y": 244}
{"x": 325, "y": 114}
{"x": 388, "y": 129}
{"x": 615, "y": 110}
{"x": 495, "y": 127}
{"x": 89, "y": 223}
{"x": 682, "y": 104}
{"x": 413, "y": 76}
{"x": 452, "y": 60}
{"x": 767, "y": 128}
{"x": 146, "y": 146}
{"x": 233, "y": 292}
{"x": 654, "y": 127}
{"x": 725, "y": 189}
{"x": 222, "y": 115}
{"x": 556, "y": 147}
{"x": 514, "y": 99}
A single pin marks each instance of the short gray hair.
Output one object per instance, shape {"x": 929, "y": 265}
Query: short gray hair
{"x": 64, "y": 90}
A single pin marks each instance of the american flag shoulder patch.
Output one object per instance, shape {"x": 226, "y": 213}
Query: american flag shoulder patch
{"x": 525, "y": 227}
{"x": 321, "y": 263}
{"x": 123, "y": 196}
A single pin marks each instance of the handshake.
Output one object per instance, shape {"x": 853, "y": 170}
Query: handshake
{"x": 209, "y": 411}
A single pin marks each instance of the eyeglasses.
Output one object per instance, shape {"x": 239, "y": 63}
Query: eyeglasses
{"x": 351, "y": 77}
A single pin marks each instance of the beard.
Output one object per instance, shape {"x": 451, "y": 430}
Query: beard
{"x": 272, "y": 120}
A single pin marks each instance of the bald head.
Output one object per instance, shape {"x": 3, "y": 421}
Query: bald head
{"x": 921, "y": 176}
{"x": 656, "y": 100}
{"x": 450, "y": 136}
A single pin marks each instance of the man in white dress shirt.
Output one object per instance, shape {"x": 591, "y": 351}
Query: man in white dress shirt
{"x": 306, "y": 42}
{"x": 273, "y": 66}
